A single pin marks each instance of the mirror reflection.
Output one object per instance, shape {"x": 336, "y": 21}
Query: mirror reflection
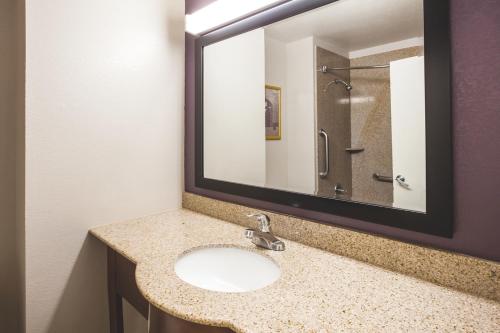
{"x": 328, "y": 103}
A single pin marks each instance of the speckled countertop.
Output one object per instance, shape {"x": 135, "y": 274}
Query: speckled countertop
{"x": 317, "y": 292}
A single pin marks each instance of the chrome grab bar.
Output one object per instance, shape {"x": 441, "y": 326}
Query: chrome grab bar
{"x": 380, "y": 178}
{"x": 324, "y": 173}
{"x": 399, "y": 178}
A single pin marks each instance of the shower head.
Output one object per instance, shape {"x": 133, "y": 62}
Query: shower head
{"x": 347, "y": 86}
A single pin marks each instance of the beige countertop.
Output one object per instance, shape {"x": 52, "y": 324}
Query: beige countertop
{"x": 317, "y": 292}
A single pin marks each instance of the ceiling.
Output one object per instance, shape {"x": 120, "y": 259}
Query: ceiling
{"x": 355, "y": 24}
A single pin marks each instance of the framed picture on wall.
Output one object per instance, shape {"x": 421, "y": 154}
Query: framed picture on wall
{"x": 273, "y": 112}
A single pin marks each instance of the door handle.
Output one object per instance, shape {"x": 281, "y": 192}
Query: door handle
{"x": 402, "y": 182}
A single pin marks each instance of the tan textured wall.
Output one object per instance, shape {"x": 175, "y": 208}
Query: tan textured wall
{"x": 10, "y": 78}
{"x": 371, "y": 126}
{"x": 333, "y": 115}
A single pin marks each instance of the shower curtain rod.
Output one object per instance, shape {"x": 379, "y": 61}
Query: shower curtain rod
{"x": 325, "y": 69}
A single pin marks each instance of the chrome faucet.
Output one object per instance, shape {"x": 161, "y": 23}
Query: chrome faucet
{"x": 263, "y": 236}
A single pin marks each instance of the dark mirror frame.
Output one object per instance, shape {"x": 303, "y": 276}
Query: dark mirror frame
{"x": 438, "y": 219}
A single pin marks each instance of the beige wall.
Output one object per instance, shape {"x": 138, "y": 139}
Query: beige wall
{"x": 20, "y": 162}
{"x": 104, "y": 128}
{"x": 10, "y": 77}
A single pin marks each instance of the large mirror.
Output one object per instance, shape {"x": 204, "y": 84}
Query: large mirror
{"x": 329, "y": 103}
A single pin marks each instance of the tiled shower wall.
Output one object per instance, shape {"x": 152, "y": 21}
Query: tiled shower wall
{"x": 332, "y": 115}
{"x": 371, "y": 125}
{"x": 361, "y": 119}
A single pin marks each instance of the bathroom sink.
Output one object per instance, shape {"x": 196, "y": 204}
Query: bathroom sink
{"x": 226, "y": 269}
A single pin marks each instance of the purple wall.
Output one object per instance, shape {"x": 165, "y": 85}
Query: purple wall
{"x": 475, "y": 29}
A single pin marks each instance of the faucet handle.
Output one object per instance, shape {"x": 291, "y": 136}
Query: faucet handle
{"x": 264, "y": 221}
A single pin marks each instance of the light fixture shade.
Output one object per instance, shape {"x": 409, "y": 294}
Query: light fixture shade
{"x": 220, "y": 12}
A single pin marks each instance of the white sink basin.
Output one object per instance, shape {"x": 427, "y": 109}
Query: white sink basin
{"x": 226, "y": 269}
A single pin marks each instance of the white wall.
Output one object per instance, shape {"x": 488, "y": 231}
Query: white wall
{"x": 233, "y": 114}
{"x": 300, "y": 99}
{"x": 290, "y": 162}
{"x": 277, "y": 150}
{"x": 408, "y": 131}
{"x": 104, "y": 128}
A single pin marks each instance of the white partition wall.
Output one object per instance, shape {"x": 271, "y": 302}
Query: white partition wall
{"x": 300, "y": 115}
{"x": 408, "y": 131}
{"x": 277, "y": 150}
{"x": 234, "y": 132}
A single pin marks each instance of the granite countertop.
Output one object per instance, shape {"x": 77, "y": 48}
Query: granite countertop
{"x": 317, "y": 292}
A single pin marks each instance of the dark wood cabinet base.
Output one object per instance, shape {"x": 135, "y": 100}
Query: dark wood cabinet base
{"x": 121, "y": 285}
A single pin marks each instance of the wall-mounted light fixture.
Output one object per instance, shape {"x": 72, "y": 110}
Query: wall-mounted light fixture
{"x": 222, "y": 11}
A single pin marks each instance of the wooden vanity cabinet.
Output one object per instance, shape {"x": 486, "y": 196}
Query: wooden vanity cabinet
{"x": 122, "y": 285}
